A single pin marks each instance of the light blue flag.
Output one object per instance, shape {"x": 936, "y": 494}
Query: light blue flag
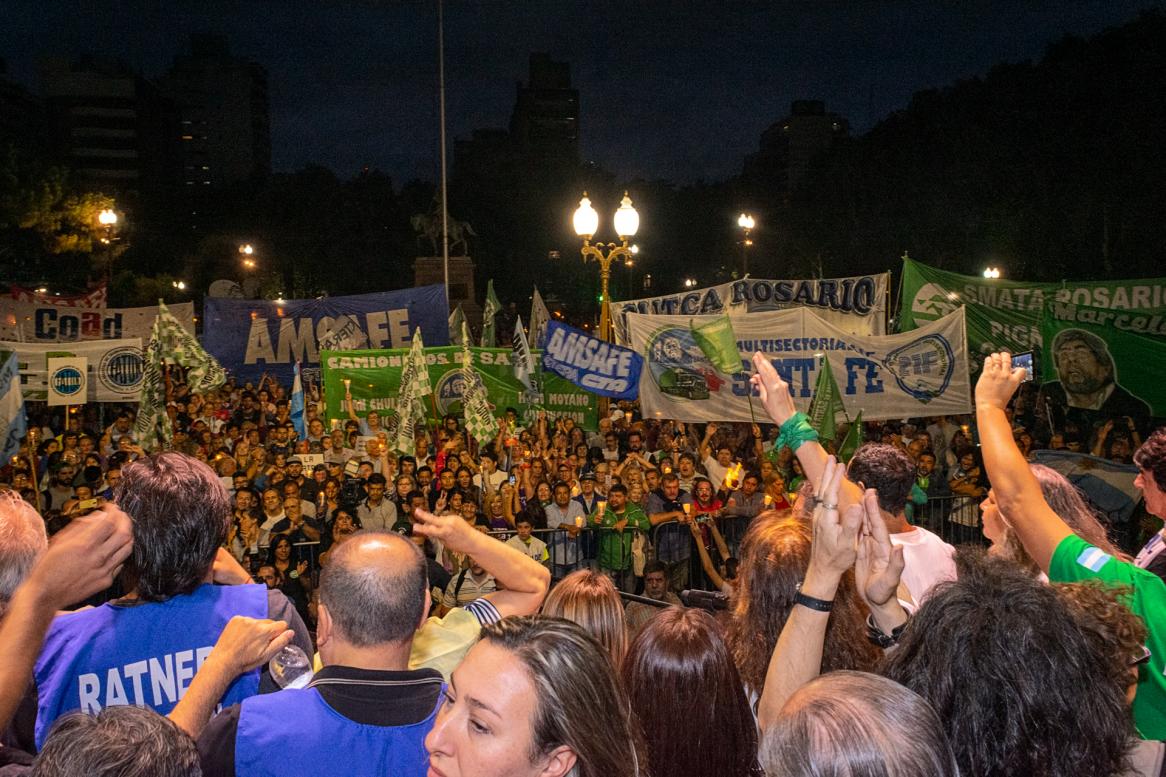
{"x": 13, "y": 422}
{"x": 297, "y": 404}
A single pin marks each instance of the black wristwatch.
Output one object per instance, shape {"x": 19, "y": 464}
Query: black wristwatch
{"x": 820, "y": 605}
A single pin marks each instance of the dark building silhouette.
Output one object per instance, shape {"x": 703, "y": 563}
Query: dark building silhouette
{"x": 114, "y": 130}
{"x": 545, "y": 121}
{"x": 790, "y": 146}
{"x": 223, "y": 102}
{"x": 22, "y": 115}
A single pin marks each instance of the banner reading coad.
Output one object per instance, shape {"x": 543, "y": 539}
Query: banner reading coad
{"x": 250, "y": 337}
{"x": 32, "y": 322}
{"x": 924, "y": 372}
{"x": 376, "y": 376}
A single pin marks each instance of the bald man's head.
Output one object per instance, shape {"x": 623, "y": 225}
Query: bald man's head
{"x": 374, "y": 588}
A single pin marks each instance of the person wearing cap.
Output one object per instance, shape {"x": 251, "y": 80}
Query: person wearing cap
{"x": 587, "y": 497}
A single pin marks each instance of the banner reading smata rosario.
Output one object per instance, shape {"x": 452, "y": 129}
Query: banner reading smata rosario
{"x": 1006, "y": 315}
{"x": 376, "y": 379}
{"x": 924, "y": 372}
{"x": 857, "y": 305}
{"x": 251, "y": 337}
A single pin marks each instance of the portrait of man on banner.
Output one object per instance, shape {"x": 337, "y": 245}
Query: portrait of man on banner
{"x": 1086, "y": 390}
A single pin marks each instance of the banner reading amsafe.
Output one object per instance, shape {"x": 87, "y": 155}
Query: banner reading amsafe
{"x": 857, "y": 305}
{"x": 1006, "y": 315}
{"x": 375, "y": 376}
{"x": 924, "y": 372}
{"x": 251, "y": 337}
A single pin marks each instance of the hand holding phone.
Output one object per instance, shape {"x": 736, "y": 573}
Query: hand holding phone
{"x": 1024, "y": 360}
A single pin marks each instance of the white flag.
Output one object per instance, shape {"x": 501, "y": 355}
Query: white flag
{"x": 539, "y": 316}
{"x": 523, "y": 359}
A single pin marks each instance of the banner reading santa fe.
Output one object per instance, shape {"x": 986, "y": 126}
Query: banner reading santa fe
{"x": 251, "y": 337}
{"x": 857, "y": 305}
{"x": 1005, "y": 315}
{"x": 32, "y": 322}
{"x": 114, "y": 368}
{"x": 376, "y": 376}
{"x": 924, "y": 372}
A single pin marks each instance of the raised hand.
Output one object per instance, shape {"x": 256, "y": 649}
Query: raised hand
{"x": 84, "y": 558}
{"x": 774, "y": 391}
{"x": 879, "y": 566}
{"x": 835, "y": 540}
{"x": 248, "y": 643}
{"x": 998, "y": 381}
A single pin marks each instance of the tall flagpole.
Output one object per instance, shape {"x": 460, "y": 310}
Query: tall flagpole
{"x": 441, "y": 94}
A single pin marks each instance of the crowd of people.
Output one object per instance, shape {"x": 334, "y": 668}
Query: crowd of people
{"x": 519, "y": 607}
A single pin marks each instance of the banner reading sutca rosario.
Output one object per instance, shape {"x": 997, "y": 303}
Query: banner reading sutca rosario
{"x": 250, "y": 337}
{"x": 595, "y": 365}
{"x": 1006, "y": 315}
{"x": 376, "y": 376}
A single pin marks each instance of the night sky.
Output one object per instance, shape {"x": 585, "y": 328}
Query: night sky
{"x": 675, "y": 90}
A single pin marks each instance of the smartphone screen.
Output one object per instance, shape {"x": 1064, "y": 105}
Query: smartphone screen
{"x": 1024, "y": 360}
{"x": 512, "y": 480}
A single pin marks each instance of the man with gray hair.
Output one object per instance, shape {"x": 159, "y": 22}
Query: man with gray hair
{"x": 372, "y": 628}
{"x": 22, "y": 541}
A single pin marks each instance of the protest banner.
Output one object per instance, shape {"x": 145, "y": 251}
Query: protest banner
{"x": 95, "y": 298}
{"x": 1100, "y": 359}
{"x": 857, "y": 305}
{"x": 375, "y": 377}
{"x": 33, "y": 322}
{"x": 251, "y": 337}
{"x": 68, "y": 380}
{"x": 1006, "y": 315}
{"x": 114, "y": 375}
{"x": 889, "y": 376}
{"x": 592, "y": 364}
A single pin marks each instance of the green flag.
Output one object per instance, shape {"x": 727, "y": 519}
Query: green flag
{"x": 170, "y": 343}
{"x": 493, "y": 307}
{"x": 716, "y": 339}
{"x": 852, "y": 441}
{"x": 457, "y": 320}
{"x": 479, "y": 418}
{"x": 827, "y": 402}
{"x": 414, "y": 385}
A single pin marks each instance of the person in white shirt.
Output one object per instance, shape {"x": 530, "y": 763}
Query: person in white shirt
{"x": 928, "y": 559}
{"x": 529, "y": 545}
{"x": 715, "y": 467}
{"x": 490, "y": 478}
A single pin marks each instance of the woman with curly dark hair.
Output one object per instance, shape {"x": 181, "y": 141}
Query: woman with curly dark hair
{"x": 774, "y": 557}
{"x": 1020, "y": 688}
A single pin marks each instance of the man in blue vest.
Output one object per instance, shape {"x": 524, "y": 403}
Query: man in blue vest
{"x": 145, "y": 648}
{"x": 365, "y": 709}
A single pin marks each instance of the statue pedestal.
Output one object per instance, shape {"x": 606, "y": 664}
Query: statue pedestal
{"x": 428, "y": 270}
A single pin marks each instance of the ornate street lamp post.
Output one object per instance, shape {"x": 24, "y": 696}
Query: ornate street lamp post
{"x": 586, "y": 222}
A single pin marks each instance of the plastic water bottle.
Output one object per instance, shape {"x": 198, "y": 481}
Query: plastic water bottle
{"x": 291, "y": 667}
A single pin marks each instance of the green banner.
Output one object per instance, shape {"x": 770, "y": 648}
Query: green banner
{"x": 1100, "y": 360}
{"x": 1006, "y": 315}
{"x": 376, "y": 376}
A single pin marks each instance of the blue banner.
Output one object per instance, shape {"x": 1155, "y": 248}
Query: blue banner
{"x": 598, "y": 366}
{"x": 251, "y": 337}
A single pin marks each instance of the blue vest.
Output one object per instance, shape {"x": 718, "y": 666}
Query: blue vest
{"x": 145, "y": 654}
{"x": 296, "y": 731}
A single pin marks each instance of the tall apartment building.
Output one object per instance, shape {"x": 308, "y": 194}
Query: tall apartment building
{"x": 788, "y": 147}
{"x": 225, "y": 123}
{"x": 545, "y": 121}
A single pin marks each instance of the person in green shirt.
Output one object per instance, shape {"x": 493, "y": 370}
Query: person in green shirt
{"x": 616, "y": 520}
{"x": 1051, "y": 543}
